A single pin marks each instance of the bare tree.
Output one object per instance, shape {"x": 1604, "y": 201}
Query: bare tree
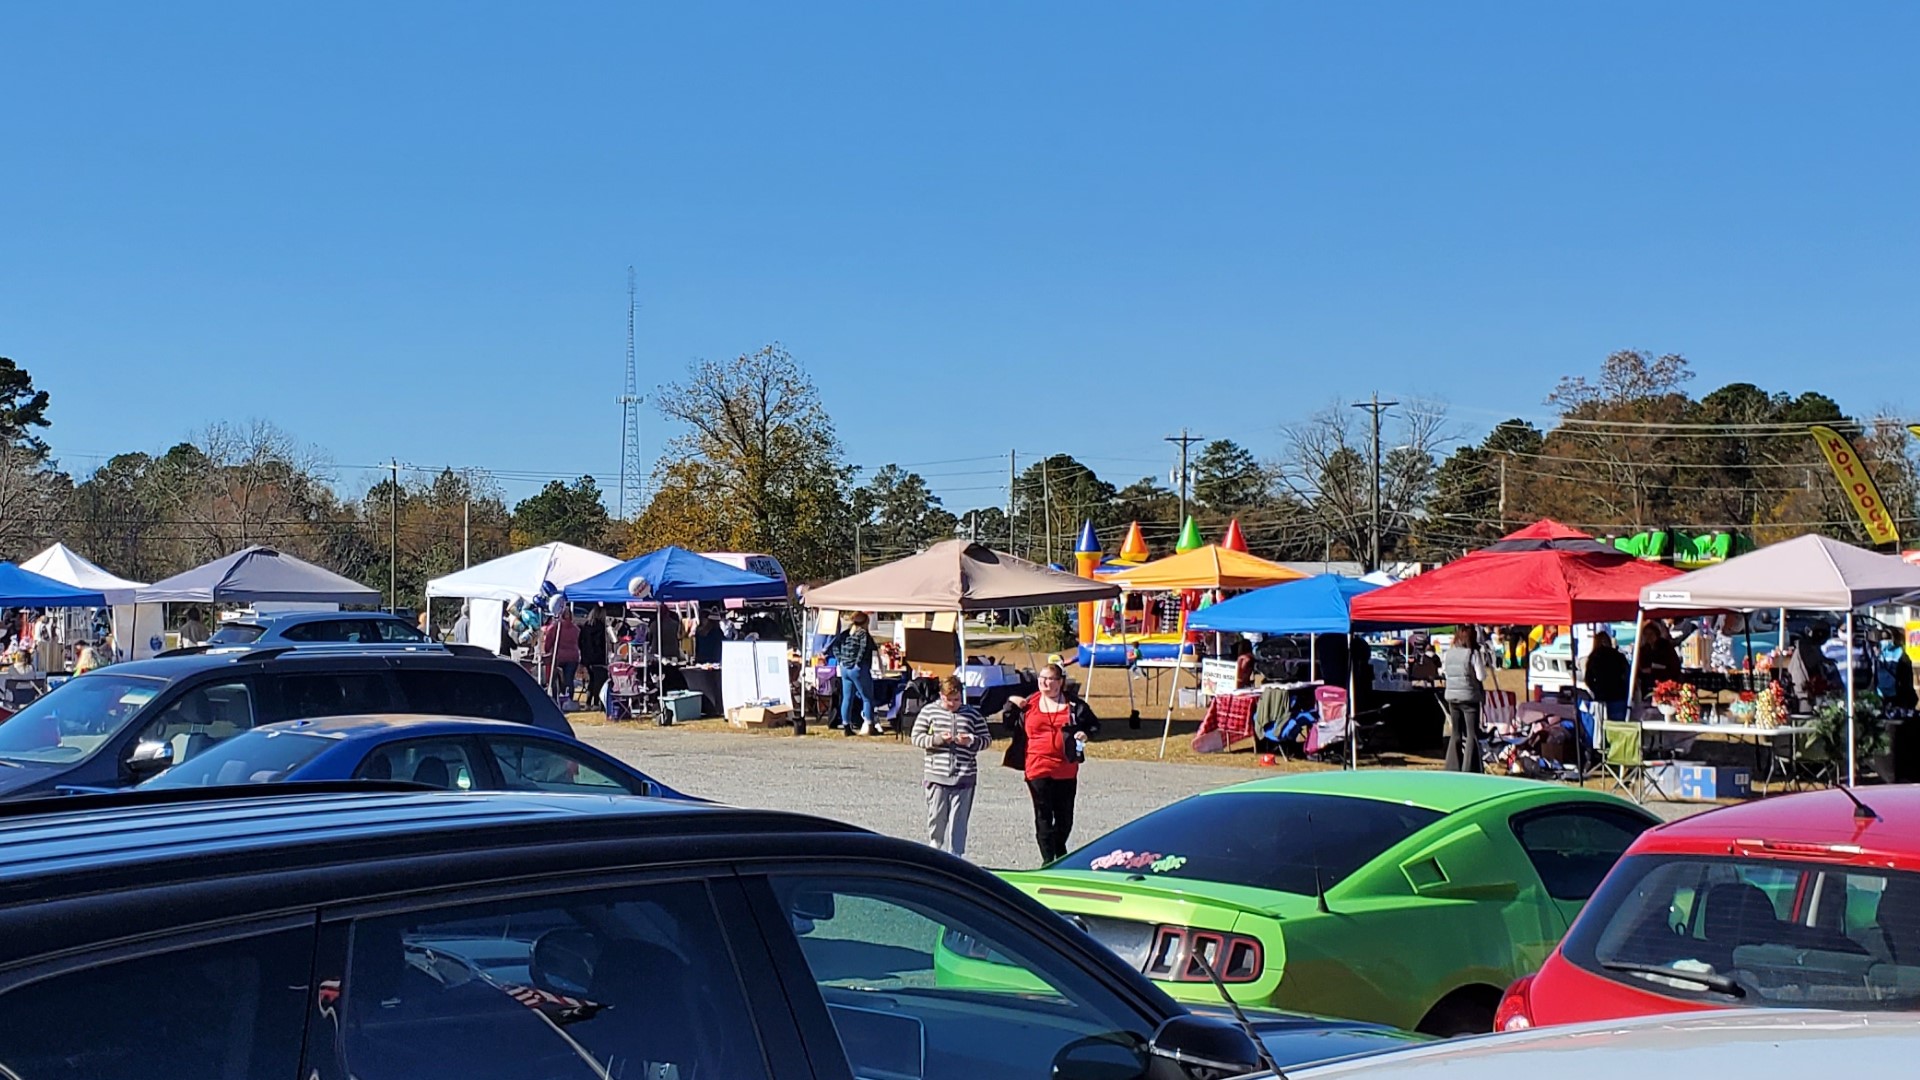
{"x": 1327, "y": 465}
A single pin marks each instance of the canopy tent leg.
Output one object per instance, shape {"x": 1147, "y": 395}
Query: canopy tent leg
{"x": 1852, "y": 775}
{"x": 1633, "y": 661}
{"x": 1580, "y": 739}
{"x": 1173, "y": 689}
{"x": 1353, "y": 726}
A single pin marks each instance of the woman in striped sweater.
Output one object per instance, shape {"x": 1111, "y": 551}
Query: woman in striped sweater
{"x": 952, "y": 733}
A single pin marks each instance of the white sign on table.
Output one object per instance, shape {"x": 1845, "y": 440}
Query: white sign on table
{"x": 1218, "y": 677}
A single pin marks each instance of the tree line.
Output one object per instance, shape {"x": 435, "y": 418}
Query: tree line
{"x": 758, "y": 466}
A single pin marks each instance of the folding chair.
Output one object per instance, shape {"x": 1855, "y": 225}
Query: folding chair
{"x": 1812, "y": 765}
{"x": 1623, "y": 761}
{"x": 1335, "y": 725}
{"x": 1498, "y": 731}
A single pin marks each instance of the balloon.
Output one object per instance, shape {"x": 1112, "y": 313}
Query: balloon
{"x": 638, "y": 588}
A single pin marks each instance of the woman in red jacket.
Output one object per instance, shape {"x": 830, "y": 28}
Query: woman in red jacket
{"x": 1053, "y": 729}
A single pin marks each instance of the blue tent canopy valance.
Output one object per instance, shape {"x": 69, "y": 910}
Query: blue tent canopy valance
{"x": 24, "y": 588}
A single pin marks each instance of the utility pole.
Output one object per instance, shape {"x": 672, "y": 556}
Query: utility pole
{"x": 1503, "y": 496}
{"x": 1012, "y": 470}
{"x": 466, "y": 527}
{"x": 393, "y": 540}
{"x": 1185, "y": 440}
{"x": 857, "y": 567}
{"x": 1375, "y": 406}
{"x": 1046, "y": 509}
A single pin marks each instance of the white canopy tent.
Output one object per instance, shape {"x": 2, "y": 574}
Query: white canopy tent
{"x": 497, "y": 582}
{"x": 136, "y": 627}
{"x": 1807, "y": 573}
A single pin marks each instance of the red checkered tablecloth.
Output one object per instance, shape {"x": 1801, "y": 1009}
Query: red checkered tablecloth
{"x": 1229, "y": 714}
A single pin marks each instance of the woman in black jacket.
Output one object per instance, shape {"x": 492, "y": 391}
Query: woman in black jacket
{"x": 593, "y": 651}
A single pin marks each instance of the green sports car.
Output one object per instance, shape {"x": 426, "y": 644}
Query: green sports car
{"x": 1404, "y": 898}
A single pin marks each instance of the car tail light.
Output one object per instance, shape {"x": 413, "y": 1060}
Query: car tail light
{"x": 1516, "y": 1010}
{"x": 1236, "y": 958}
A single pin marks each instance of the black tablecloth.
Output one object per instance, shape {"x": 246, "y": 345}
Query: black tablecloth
{"x": 994, "y": 698}
{"x": 706, "y": 681}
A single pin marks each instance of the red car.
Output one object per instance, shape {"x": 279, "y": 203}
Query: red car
{"x": 1807, "y": 901}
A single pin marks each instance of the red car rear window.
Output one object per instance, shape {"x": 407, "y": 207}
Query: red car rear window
{"x": 1755, "y": 932}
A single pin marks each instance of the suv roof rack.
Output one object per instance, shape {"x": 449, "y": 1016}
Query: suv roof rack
{"x": 135, "y": 797}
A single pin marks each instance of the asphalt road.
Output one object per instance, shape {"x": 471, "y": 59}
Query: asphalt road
{"x": 875, "y": 783}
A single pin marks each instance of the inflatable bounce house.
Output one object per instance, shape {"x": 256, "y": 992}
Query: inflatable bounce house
{"x": 1144, "y": 624}
{"x": 1684, "y": 550}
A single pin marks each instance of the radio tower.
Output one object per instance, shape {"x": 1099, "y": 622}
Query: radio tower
{"x": 630, "y": 468}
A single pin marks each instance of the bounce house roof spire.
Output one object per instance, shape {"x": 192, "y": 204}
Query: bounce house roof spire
{"x": 1087, "y": 542}
{"x": 1189, "y": 537}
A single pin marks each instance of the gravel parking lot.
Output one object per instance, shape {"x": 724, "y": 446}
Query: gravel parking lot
{"x": 875, "y": 782}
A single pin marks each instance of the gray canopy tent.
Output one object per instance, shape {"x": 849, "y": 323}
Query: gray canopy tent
{"x": 1807, "y": 573}
{"x": 254, "y": 574}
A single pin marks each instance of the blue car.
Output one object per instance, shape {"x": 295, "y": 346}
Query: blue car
{"x": 443, "y": 752}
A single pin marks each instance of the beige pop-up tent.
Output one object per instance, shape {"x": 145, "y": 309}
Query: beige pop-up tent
{"x": 957, "y": 576}
{"x": 1807, "y": 573}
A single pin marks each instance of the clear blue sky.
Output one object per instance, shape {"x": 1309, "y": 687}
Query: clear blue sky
{"x": 402, "y": 230}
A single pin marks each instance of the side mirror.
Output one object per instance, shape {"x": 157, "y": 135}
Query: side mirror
{"x": 150, "y": 759}
{"x": 1206, "y": 1046}
{"x": 1101, "y": 1057}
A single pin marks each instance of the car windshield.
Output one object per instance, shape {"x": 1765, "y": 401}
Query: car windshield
{"x": 236, "y": 634}
{"x": 1263, "y": 839}
{"x": 1756, "y": 932}
{"x": 73, "y": 720}
{"x": 261, "y": 756}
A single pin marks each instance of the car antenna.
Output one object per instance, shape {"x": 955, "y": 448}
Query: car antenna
{"x": 1313, "y": 852}
{"x": 1266, "y": 1057}
{"x": 1860, "y": 810}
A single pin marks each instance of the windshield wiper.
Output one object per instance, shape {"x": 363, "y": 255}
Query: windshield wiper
{"x": 1719, "y": 984}
{"x": 11, "y": 764}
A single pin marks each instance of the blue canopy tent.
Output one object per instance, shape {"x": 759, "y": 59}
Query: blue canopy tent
{"x": 1316, "y": 605}
{"x": 24, "y": 588}
{"x": 674, "y": 575}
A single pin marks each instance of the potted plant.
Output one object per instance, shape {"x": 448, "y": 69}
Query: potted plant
{"x": 1666, "y": 697}
{"x": 1743, "y": 709}
{"x": 1873, "y": 742}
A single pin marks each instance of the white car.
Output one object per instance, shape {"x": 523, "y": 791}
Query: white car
{"x": 1752, "y": 1044}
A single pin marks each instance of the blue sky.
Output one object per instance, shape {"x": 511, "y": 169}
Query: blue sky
{"x": 402, "y": 230}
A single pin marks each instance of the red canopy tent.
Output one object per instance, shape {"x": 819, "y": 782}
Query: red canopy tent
{"x": 1546, "y": 574}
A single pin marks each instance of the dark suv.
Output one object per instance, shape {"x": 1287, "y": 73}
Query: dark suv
{"x": 121, "y": 724}
{"x": 437, "y": 936}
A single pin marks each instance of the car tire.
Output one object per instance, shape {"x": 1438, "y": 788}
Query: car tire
{"x": 1467, "y": 1011}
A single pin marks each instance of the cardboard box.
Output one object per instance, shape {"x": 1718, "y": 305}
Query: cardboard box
{"x": 1686, "y": 781}
{"x": 759, "y": 715}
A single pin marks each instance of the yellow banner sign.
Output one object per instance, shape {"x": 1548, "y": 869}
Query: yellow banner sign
{"x": 1857, "y": 483}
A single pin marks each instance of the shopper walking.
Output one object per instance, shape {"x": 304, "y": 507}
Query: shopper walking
{"x": 560, "y": 652}
{"x": 593, "y": 653}
{"x": 953, "y": 733}
{"x": 1465, "y": 668}
{"x": 852, "y": 651}
{"x": 1053, "y": 731}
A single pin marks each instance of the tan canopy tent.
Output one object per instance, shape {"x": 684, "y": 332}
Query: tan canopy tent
{"x": 1208, "y": 567}
{"x": 957, "y": 576}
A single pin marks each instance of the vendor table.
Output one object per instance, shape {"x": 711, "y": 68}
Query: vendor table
{"x": 701, "y": 678}
{"x": 1763, "y": 751}
{"x": 1152, "y": 668}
